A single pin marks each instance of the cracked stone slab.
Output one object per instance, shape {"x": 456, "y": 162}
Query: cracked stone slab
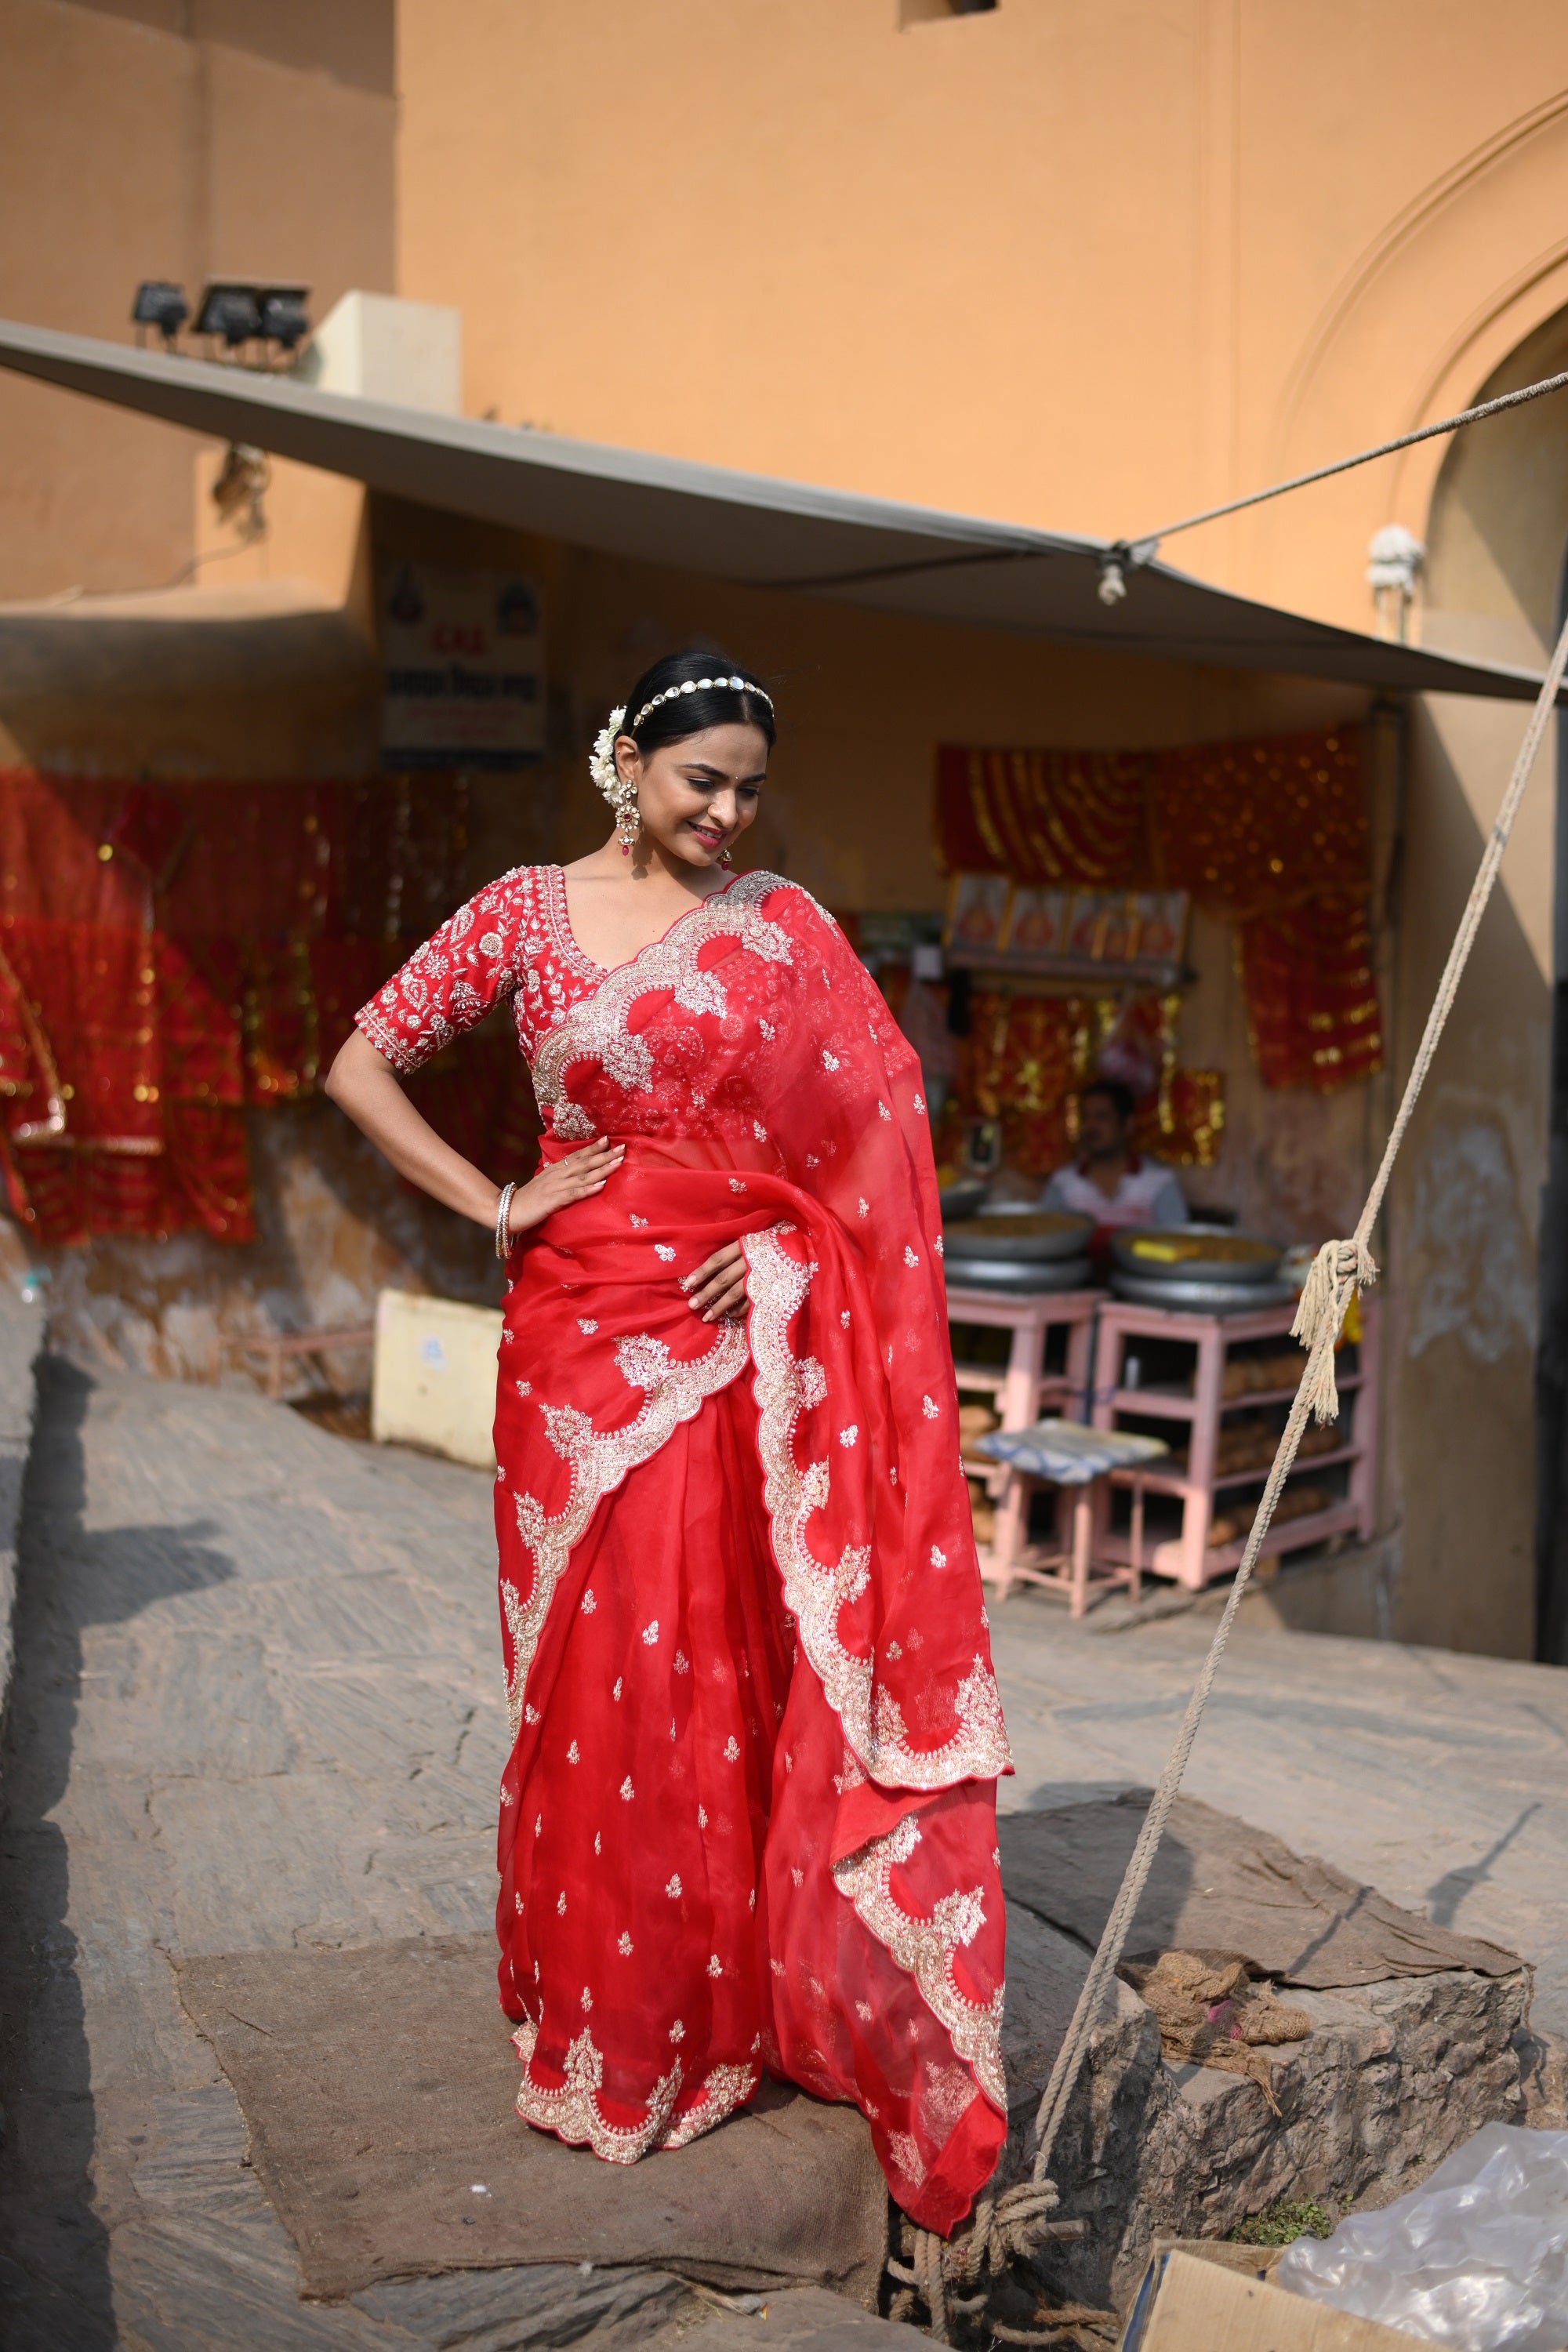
{"x": 1394, "y": 2074}
{"x": 1391, "y": 2078}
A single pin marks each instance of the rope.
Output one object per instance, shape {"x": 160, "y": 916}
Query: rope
{"x": 1017, "y": 2220}
{"x": 1131, "y": 554}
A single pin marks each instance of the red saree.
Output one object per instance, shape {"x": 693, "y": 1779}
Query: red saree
{"x": 749, "y": 1817}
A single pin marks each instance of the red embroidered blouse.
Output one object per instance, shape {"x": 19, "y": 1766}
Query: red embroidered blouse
{"x": 512, "y": 940}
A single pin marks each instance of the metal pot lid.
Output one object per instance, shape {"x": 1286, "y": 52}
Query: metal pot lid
{"x": 1170, "y": 1253}
{"x": 1028, "y": 1235}
{"x": 1201, "y": 1297}
{"x": 964, "y": 1198}
{"x": 1019, "y": 1274}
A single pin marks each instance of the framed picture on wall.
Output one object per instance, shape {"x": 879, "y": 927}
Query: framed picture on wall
{"x": 1036, "y": 922}
{"x": 976, "y": 910}
{"x": 462, "y": 668}
{"x": 1162, "y": 925}
{"x": 1086, "y": 925}
{"x": 1120, "y": 927}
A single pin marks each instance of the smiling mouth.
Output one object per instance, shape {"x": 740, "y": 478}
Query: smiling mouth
{"x": 706, "y": 833}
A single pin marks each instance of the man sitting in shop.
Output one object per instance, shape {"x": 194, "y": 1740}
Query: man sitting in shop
{"x": 1110, "y": 1180}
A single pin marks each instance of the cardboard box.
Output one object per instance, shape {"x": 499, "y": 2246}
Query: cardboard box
{"x": 433, "y": 1383}
{"x": 1203, "y": 2302}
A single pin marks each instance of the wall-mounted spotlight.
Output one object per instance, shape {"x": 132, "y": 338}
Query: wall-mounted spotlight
{"x": 162, "y": 305}
{"x": 1395, "y": 558}
{"x": 240, "y": 310}
{"x": 230, "y": 313}
{"x": 284, "y": 318}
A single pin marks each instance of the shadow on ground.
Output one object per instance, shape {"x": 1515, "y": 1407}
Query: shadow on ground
{"x": 55, "y": 2290}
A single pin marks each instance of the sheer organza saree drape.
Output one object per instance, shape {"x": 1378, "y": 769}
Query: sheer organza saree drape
{"x": 748, "y": 1820}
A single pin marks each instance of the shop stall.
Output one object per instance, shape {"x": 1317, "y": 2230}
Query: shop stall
{"x": 1063, "y": 963}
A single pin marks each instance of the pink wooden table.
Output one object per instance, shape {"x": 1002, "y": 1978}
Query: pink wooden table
{"x": 1203, "y": 1406}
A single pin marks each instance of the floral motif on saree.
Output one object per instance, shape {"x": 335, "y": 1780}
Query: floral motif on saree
{"x": 748, "y": 1816}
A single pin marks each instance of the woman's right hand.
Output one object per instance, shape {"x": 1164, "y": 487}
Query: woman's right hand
{"x": 560, "y": 1181}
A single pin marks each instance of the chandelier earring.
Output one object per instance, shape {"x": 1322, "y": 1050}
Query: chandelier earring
{"x": 620, "y": 790}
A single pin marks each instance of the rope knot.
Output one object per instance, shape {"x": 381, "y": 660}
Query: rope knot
{"x": 1338, "y": 1272}
{"x": 1022, "y": 2212}
{"x": 1013, "y": 2223}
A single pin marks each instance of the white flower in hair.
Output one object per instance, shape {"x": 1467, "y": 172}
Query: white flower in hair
{"x": 602, "y": 760}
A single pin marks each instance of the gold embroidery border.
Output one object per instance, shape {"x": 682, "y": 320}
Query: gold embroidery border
{"x": 724, "y": 2089}
{"x": 599, "y": 1461}
{"x": 924, "y": 1948}
{"x": 573, "y": 2112}
{"x": 815, "y": 1594}
{"x": 595, "y": 1027}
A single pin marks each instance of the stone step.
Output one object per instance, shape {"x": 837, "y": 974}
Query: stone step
{"x": 1393, "y": 2075}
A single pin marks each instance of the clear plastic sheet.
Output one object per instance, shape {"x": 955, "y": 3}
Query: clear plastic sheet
{"x": 1476, "y": 2258}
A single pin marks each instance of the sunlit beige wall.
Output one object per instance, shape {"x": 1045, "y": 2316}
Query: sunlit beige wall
{"x": 1089, "y": 264}
{"x": 177, "y": 138}
{"x": 1462, "y": 1241}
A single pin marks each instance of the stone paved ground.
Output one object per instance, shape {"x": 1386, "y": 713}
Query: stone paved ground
{"x": 257, "y": 1702}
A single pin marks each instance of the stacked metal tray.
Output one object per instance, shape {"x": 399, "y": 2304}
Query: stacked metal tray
{"x": 1021, "y": 1251}
{"x": 1198, "y": 1269}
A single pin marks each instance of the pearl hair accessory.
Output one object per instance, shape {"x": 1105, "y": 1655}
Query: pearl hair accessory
{"x": 700, "y": 686}
{"x": 620, "y": 790}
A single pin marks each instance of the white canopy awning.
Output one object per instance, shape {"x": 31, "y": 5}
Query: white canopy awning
{"x": 747, "y": 528}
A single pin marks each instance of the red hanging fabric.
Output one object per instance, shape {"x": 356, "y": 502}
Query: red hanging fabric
{"x": 1249, "y": 825}
{"x": 1045, "y": 816}
{"x": 170, "y": 953}
{"x": 203, "y": 1094}
{"x": 1311, "y": 994}
{"x": 1030, "y": 1055}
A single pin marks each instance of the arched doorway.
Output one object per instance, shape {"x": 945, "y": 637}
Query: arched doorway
{"x": 1497, "y": 582}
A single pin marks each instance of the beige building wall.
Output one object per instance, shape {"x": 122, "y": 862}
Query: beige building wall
{"x": 1090, "y": 267}
{"x": 1464, "y": 1231}
{"x": 177, "y": 138}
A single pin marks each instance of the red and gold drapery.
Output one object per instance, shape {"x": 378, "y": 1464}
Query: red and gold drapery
{"x": 1311, "y": 994}
{"x": 1271, "y": 835}
{"x": 1029, "y": 1057}
{"x": 1048, "y": 816}
{"x": 173, "y": 955}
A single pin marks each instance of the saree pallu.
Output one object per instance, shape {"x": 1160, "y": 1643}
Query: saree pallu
{"x": 747, "y": 1821}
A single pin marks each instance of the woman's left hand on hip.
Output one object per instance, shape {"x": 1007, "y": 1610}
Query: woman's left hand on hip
{"x": 717, "y": 1290}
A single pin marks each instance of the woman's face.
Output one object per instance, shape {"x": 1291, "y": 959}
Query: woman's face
{"x": 696, "y": 797}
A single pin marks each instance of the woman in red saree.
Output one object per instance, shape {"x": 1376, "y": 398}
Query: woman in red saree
{"x": 748, "y": 1820}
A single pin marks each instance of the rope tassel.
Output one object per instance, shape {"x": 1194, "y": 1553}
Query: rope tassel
{"x": 1338, "y": 1272}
